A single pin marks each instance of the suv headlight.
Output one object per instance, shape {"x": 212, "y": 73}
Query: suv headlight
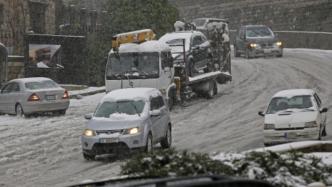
{"x": 134, "y": 130}
{"x": 279, "y": 44}
{"x": 268, "y": 126}
{"x": 310, "y": 124}
{"x": 89, "y": 133}
{"x": 253, "y": 45}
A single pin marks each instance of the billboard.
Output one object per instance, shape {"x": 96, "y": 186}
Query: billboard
{"x": 59, "y": 57}
{"x": 45, "y": 56}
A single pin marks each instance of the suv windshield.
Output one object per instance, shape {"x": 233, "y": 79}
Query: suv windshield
{"x": 283, "y": 103}
{"x": 128, "y": 107}
{"x": 41, "y": 85}
{"x": 253, "y": 32}
{"x": 133, "y": 65}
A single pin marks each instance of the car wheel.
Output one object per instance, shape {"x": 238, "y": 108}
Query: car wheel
{"x": 167, "y": 140}
{"x": 62, "y": 112}
{"x": 88, "y": 156}
{"x": 280, "y": 55}
{"x": 236, "y": 53}
{"x": 149, "y": 144}
{"x": 19, "y": 110}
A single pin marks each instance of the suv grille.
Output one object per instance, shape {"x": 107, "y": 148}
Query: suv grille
{"x": 108, "y": 131}
{"x": 267, "y": 45}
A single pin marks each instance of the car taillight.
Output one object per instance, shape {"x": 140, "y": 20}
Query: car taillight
{"x": 65, "y": 95}
{"x": 33, "y": 97}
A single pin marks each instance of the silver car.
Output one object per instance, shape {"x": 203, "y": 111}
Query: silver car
{"x": 126, "y": 120}
{"x": 33, "y": 95}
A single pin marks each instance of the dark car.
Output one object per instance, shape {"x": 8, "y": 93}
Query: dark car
{"x": 197, "y": 49}
{"x": 257, "y": 40}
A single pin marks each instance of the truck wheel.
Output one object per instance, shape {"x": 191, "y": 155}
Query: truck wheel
{"x": 167, "y": 140}
{"x": 212, "y": 89}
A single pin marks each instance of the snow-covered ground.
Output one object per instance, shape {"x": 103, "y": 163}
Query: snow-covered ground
{"x": 45, "y": 151}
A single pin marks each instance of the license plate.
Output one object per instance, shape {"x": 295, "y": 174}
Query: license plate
{"x": 50, "y": 97}
{"x": 267, "y": 51}
{"x": 108, "y": 140}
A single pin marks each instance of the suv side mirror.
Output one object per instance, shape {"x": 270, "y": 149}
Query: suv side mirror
{"x": 88, "y": 116}
{"x": 324, "y": 110}
{"x": 155, "y": 113}
{"x": 261, "y": 113}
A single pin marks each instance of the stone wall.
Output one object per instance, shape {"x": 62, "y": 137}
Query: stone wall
{"x": 16, "y": 20}
{"x": 307, "y": 15}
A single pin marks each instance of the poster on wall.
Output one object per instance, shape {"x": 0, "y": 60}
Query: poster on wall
{"x": 45, "y": 55}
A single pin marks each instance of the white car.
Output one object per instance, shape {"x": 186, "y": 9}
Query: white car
{"x": 294, "y": 115}
{"x": 125, "y": 120}
{"x": 29, "y": 96}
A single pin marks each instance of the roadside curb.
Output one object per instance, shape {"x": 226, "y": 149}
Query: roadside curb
{"x": 87, "y": 93}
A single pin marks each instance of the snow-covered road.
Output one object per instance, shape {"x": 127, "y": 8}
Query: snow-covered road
{"x": 45, "y": 151}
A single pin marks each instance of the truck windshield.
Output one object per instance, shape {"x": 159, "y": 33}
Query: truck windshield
{"x": 283, "y": 103}
{"x": 128, "y": 107}
{"x": 254, "y": 32}
{"x": 133, "y": 66}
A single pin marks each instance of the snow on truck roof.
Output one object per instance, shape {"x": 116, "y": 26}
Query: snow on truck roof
{"x": 131, "y": 94}
{"x": 294, "y": 92}
{"x": 148, "y": 46}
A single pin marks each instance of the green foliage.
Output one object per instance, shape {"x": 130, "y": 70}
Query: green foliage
{"x": 124, "y": 16}
{"x": 129, "y": 15}
{"x": 284, "y": 170}
{"x": 172, "y": 163}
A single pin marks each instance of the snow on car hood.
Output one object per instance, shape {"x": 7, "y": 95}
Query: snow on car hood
{"x": 114, "y": 123}
{"x": 286, "y": 119}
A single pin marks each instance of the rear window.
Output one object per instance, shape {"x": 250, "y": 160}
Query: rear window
{"x": 41, "y": 85}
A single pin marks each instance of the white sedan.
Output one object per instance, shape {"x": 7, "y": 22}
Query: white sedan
{"x": 33, "y": 95}
{"x": 294, "y": 115}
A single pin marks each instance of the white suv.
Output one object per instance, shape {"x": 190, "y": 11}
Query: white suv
{"x": 127, "y": 119}
{"x": 294, "y": 115}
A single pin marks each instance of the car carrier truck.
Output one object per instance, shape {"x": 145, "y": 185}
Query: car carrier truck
{"x": 138, "y": 60}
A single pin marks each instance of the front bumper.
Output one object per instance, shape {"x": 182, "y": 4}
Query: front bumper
{"x": 111, "y": 144}
{"x": 272, "y": 137}
{"x": 274, "y": 51}
{"x": 35, "y": 107}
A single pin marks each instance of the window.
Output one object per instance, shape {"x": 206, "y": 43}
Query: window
{"x": 157, "y": 103}
{"x": 120, "y": 107}
{"x": 318, "y": 101}
{"x": 283, "y": 103}
{"x": 41, "y": 85}
{"x": 197, "y": 40}
{"x": 166, "y": 60}
{"x": 11, "y": 87}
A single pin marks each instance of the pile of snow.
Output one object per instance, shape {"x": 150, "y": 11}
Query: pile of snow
{"x": 123, "y": 116}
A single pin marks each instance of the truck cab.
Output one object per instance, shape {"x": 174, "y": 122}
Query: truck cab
{"x": 140, "y": 64}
